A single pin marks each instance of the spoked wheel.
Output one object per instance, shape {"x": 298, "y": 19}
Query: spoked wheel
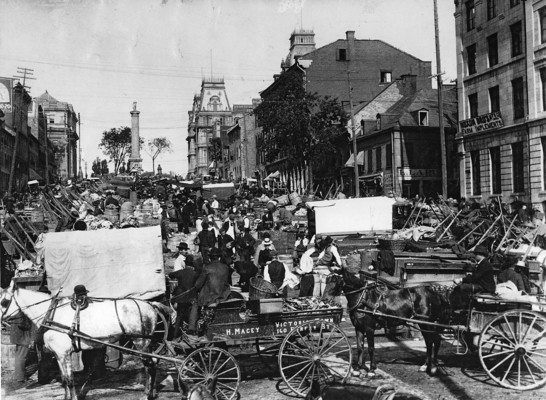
{"x": 512, "y": 349}
{"x": 161, "y": 333}
{"x": 314, "y": 351}
{"x": 213, "y": 367}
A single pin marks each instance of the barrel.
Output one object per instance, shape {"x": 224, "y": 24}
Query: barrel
{"x": 126, "y": 210}
{"x": 295, "y": 198}
{"x": 8, "y": 353}
{"x": 287, "y": 260}
{"x": 112, "y": 215}
{"x": 37, "y": 218}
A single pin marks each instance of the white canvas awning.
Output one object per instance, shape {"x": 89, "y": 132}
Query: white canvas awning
{"x": 273, "y": 175}
{"x": 359, "y": 159}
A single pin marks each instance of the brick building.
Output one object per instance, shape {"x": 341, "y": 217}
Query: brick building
{"x": 501, "y": 70}
{"x": 394, "y": 128}
{"x": 242, "y": 146}
{"x": 373, "y": 66}
{"x": 14, "y": 134}
{"x": 43, "y": 163}
{"x": 209, "y": 119}
{"x": 61, "y": 130}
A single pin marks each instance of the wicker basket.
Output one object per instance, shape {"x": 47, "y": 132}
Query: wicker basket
{"x": 261, "y": 289}
{"x": 392, "y": 244}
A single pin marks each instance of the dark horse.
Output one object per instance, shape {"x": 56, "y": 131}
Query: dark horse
{"x": 417, "y": 303}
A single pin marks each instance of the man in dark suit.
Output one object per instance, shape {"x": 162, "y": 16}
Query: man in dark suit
{"x": 184, "y": 295}
{"x": 207, "y": 240}
{"x": 213, "y": 286}
{"x": 482, "y": 278}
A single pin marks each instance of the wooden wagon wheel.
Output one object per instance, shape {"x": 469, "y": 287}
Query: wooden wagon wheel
{"x": 214, "y": 368}
{"x": 512, "y": 349}
{"x": 161, "y": 332}
{"x": 314, "y": 351}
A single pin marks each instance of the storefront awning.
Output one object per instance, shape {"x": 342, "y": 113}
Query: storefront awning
{"x": 273, "y": 175}
{"x": 359, "y": 159}
{"x": 370, "y": 177}
{"x": 34, "y": 175}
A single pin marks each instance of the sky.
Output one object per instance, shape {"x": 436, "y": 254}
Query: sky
{"x": 103, "y": 55}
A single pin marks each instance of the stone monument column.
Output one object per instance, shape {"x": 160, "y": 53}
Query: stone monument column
{"x": 135, "y": 162}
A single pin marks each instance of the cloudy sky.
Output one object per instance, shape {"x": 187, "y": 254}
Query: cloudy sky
{"x": 103, "y": 55}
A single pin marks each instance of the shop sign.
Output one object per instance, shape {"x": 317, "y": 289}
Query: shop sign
{"x": 419, "y": 174}
{"x": 6, "y": 86}
{"x": 482, "y": 123}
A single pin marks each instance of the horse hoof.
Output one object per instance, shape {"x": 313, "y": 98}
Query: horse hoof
{"x": 355, "y": 372}
{"x": 433, "y": 371}
{"x": 423, "y": 368}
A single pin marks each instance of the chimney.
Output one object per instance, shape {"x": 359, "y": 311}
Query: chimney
{"x": 409, "y": 84}
{"x": 350, "y": 35}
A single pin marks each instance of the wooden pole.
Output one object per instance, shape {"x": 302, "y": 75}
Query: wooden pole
{"x": 530, "y": 245}
{"x": 506, "y": 234}
{"x": 449, "y": 226}
{"x": 485, "y": 234}
{"x": 471, "y": 232}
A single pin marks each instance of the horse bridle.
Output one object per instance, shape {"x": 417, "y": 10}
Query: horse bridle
{"x": 363, "y": 291}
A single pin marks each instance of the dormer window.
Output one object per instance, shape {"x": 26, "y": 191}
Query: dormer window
{"x": 423, "y": 117}
{"x": 386, "y": 76}
{"x": 378, "y": 122}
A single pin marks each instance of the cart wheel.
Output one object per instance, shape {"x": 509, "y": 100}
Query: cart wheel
{"x": 512, "y": 349}
{"x": 214, "y": 368}
{"x": 161, "y": 333}
{"x": 314, "y": 351}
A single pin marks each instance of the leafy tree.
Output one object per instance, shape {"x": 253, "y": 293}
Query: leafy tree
{"x": 158, "y": 146}
{"x": 215, "y": 152}
{"x": 116, "y": 144}
{"x": 96, "y": 167}
{"x": 104, "y": 167}
{"x": 301, "y": 127}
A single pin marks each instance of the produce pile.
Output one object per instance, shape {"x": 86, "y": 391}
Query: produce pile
{"x": 309, "y": 303}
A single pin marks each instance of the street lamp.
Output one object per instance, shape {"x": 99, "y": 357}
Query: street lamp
{"x": 159, "y": 169}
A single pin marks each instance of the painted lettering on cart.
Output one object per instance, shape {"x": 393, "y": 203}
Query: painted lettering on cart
{"x": 242, "y": 331}
{"x": 286, "y": 326}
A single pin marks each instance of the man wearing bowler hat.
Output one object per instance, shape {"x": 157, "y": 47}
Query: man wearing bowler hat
{"x": 481, "y": 279}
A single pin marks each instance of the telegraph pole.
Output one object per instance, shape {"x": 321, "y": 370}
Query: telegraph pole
{"x": 353, "y": 128}
{"x": 26, "y": 74}
{"x": 80, "y": 146}
{"x": 440, "y": 102}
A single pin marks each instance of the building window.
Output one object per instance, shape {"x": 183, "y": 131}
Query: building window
{"x": 51, "y": 120}
{"x": 378, "y": 122}
{"x": 517, "y": 167}
{"x": 471, "y": 59}
{"x": 517, "y": 98}
{"x": 378, "y": 166}
{"x": 543, "y": 87}
{"x": 514, "y": 3}
{"x": 491, "y": 9}
{"x": 543, "y": 141}
{"x": 470, "y": 15}
{"x": 388, "y": 155}
{"x": 542, "y": 18}
{"x": 494, "y": 153}
{"x": 517, "y": 39}
{"x": 386, "y": 76}
{"x": 476, "y": 171}
{"x": 423, "y": 118}
{"x": 473, "y": 105}
{"x": 370, "y": 164}
{"x": 494, "y": 102}
{"x": 342, "y": 54}
{"x": 492, "y": 50}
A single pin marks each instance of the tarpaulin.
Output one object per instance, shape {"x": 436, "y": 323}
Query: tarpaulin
{"x": 111, "y": 263}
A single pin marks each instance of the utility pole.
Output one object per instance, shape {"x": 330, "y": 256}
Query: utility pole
{"x": 353, "y": 128}
{"x": 80, "y": 146}
{"x": 26, "y": 74}
{"x": 440, "y": 102}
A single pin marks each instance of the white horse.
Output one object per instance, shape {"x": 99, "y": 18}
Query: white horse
{"x": 104, "y": 320}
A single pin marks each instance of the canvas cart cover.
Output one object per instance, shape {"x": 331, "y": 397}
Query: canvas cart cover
{"x": 110, "y": 263}
{"x": 222, "y": 190}
{"x": 362, "y": 215}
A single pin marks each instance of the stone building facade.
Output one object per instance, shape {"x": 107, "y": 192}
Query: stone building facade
{"x": 209, "y": 119}
{"x": 62, "y": 123}
{"x": 242, "y": 146}
{"x": 501, "y": 71}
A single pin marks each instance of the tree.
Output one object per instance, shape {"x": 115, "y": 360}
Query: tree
{"x": 157, "y": 146}
{"x": 215, "y": 152}
{"x": 96, "y": 167}
{"x": 301, "y": 127}
{"x": 104, "y": 167}
{"x": 116, "y": 144}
